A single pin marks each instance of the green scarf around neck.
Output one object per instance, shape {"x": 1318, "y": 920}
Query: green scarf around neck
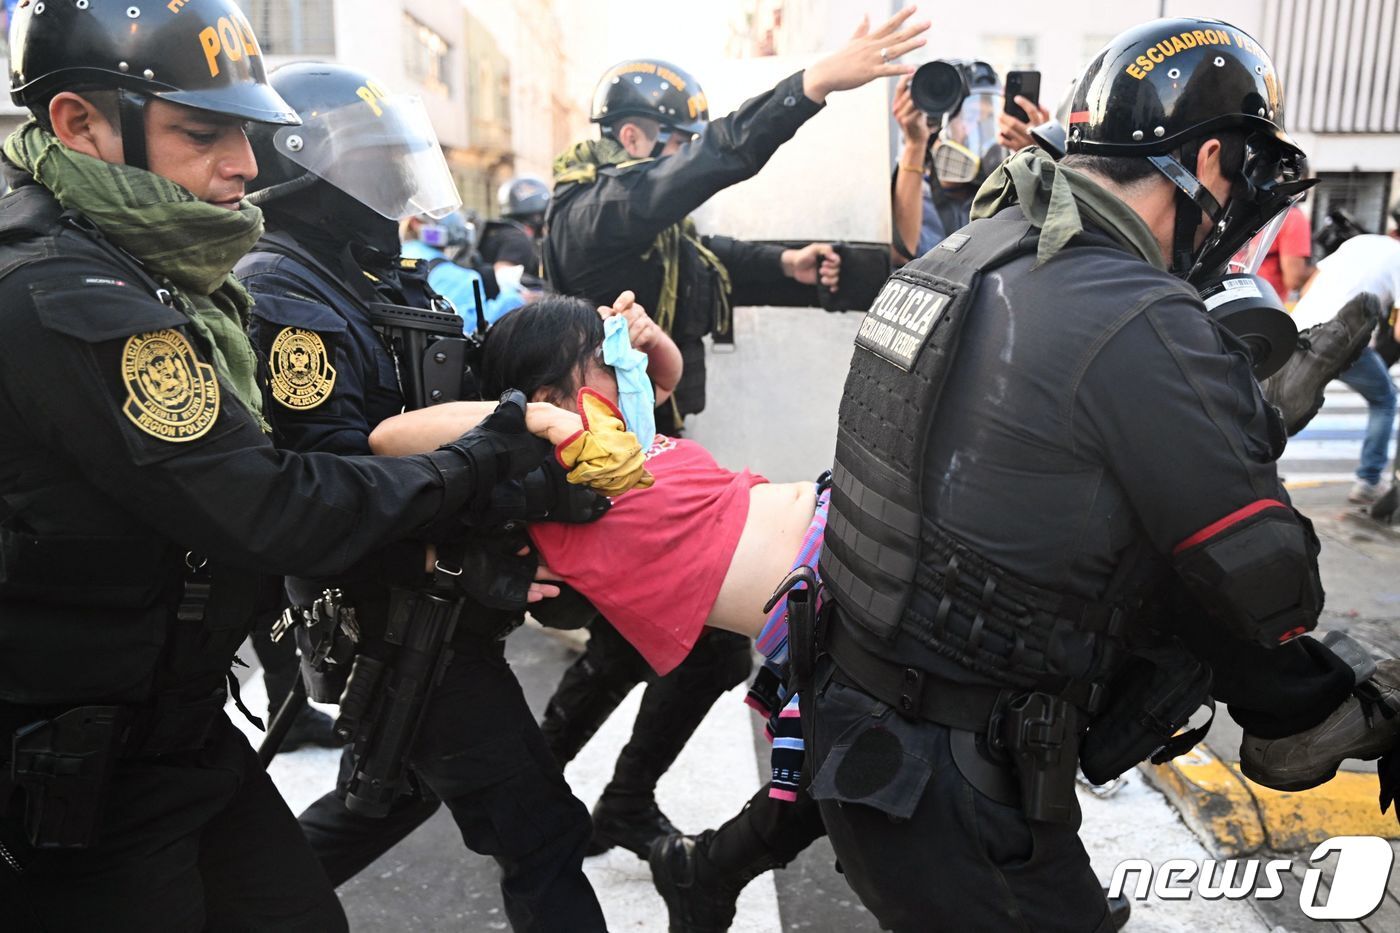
{"x": 1058, "y": 200}
{"x": 580, "y": 164}
{"x": 185, "y": 244}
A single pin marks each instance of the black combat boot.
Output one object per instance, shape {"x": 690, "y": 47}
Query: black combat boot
{"x": 700, "y": 877}
{"x": 700, "y": 898}
{"x": 626, "y": 814}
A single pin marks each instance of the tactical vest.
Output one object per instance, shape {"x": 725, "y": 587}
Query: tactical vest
{"x": 120, "y": 614}
{"x": 434, "y": 360}
{"x": 880, "y": 546}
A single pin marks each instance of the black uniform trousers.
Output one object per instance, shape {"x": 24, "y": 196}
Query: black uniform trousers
{"x": 192, "y": 841}
{"x": 480, "y": 752}
{"x": 672, "y": 707}
{"x": 913, "y": 836}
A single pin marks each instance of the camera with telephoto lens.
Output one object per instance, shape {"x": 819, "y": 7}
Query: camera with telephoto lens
{"x": 939, "y": 87}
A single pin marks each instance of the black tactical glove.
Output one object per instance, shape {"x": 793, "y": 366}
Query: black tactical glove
{"x": 569, "y": 610}
{"x": 499, "y": 449}
{"x": 549, "y": 496}
{"x": 504, "y": 510}
{"x": 488, "y": 569}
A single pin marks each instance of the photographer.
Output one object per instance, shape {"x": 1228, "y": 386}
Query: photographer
{"x": 953, "y": 126}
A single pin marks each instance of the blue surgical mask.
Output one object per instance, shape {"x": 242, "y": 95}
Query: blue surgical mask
{"x": 635, "y": 397}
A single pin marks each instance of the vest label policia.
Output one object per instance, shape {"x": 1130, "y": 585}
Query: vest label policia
{"x": 900, "y": 320}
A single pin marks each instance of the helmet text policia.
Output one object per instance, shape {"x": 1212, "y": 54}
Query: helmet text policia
{"x": 1161, "y": 89}
{"x": 199, "y": 53}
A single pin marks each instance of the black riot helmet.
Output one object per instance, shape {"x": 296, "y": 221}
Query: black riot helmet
{"x": 1053, "y": 134}
{"x": 376, "y": 147}
{"x": 525, "y": 198}
{"x": 199, "y": 53}
{"x": 1161, "y": 89}
{"x": 651, "y": 88}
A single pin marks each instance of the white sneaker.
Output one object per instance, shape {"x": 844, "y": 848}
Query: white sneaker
{"x": 1364, "y": 493}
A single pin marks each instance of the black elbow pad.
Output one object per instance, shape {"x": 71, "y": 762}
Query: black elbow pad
{"x": 1256, "y": 571}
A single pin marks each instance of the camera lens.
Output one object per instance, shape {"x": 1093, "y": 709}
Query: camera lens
{"x": 938, "y": 88}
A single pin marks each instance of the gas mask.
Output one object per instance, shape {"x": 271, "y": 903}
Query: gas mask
{"x": 1223, "y": 268}
{"x": 1247, "y": 305}
{"x": 966, "y": 150}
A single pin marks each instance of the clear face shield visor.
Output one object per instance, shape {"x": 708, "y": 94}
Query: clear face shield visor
{"x": 381, "y": 150}
{"x": 1271, "y": 179}
{"x": 1252, "y": 256}
{"x": 966, "y": 136}
{"x": 1226, "y": 267}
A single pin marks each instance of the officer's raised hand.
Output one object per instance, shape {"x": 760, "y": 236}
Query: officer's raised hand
{"x": 870, "y": 54}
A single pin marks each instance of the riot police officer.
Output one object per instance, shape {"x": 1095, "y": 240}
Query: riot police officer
{"x": 514, "y": 239}
{"x": 1056, "y": 507}
{"x": 144, "y": 505}
{"x": 619, "y": 221}
{"x": 326, "y": 277}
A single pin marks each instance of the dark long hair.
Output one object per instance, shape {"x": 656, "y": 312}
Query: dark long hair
{"x": 543, "y": 345}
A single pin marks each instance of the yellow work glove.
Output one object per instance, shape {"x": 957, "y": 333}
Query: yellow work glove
{"x": 605, "y": 455}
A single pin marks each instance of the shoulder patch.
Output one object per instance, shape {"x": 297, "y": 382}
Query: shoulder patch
{"x": 171, "y": 394}
{"x": 898, "y": 324}
{"x": 302, "y": 374}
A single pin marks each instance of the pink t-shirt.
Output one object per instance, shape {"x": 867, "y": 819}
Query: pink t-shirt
{"x": 654, "y": 564}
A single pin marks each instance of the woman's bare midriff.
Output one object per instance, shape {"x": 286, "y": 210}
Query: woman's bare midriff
{"x": 779, "y": 515}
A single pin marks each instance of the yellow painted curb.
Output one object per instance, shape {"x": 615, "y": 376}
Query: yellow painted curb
{"x": 1312, "y": 483}
{"x": 1212, "y": 800}
{"x": 1233, "y": 816}
{"x": 1345, "y": 806}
